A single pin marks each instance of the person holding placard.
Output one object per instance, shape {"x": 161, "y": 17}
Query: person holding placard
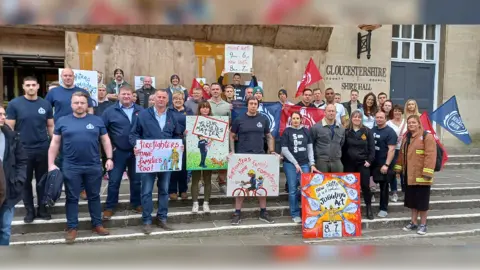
{"x": 204, "y": 109}
{"x": 237, "y": 84}
{"x": 155, "y": 123}
{"x": 251, "y": 128}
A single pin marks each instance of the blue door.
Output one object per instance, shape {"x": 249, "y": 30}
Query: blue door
{"x": 413, "y": 81}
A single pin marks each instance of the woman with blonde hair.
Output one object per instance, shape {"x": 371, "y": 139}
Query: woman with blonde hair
{"x": 411, "y": 108}
{"x": 416, "y": 161}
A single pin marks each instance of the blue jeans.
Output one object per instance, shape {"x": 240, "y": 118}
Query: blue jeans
{"x": 6, "y": 218}
{"x": 59, "y": 163}
{"x": 121, "y": 161}
{"x": 148, "y": 179}
{"x": 293, "y": 181}
{"x": 91, "y": 177}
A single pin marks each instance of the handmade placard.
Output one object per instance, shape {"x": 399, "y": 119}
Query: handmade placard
{"x": 158, "y": 155}
{"x": 331, "y": 205}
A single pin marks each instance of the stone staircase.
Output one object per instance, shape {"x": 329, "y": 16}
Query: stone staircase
{"x": 455, "y": 210}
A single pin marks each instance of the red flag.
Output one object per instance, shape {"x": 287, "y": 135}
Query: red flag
{"x": 311, "y": 76}
{"x": 310, "y": 116}
{"x": 196, "y": 84}
{"x": 280, "y": 9}
{"x": 427, "y": 126}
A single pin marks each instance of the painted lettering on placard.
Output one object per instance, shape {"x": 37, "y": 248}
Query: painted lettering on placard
{"x": 158, "y": 155}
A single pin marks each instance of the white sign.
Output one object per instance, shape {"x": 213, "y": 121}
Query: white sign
{"x": 201, "y": 81}
{"x": 85, "y": 79}
{"x": 253, "y": 175}
{"x": 158, "y": 155}
{"x": 139, "y": 82}
{"x": 260, "y": 83}
{"x": 238, "y": 58}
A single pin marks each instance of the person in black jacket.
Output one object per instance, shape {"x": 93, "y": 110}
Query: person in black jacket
{"x": 358, "y": 155}
{"x": 13, "y": 160}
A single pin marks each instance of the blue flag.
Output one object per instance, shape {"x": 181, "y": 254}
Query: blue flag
{"x": 448, "y": 116}
{"x": 271, "y": 110}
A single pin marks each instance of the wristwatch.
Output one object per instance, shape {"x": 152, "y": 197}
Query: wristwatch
{"x": 388, "y": 165}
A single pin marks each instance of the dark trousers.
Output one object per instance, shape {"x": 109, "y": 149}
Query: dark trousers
{"x": 358, "y": 167}
{"x": 37, "y": 164}
{"x": 123, "y": 160}
{"x": 203, "y": 157}
{"x": 178, "y": 179}
{"x": 91, "y": 178}
{"x": 59, "y": 163}
{"x": 383, "y": 181}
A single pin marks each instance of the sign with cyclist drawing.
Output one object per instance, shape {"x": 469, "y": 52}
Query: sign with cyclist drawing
{"x": 207, "y": 143}
{"x": 253, "y": 175}
{"x": 331, "y": 205}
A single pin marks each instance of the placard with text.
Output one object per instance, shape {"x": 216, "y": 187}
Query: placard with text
{"x": 238, "y": 58}
{"x": 253, "y": 175}
{"x": 158, "y": 155}
{"x": 139, "y": 82}
{"x": 207, "y": 142}
{"x": 331, "y": 205}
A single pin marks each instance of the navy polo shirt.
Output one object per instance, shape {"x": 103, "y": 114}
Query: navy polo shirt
{"x": 61, "y": 99}
{"x": 80, "y": 139}
{"x": 31, "y": 121}
{"x": 251, "y": 131}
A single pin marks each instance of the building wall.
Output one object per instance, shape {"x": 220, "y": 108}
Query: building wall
{"x": 276, "y": 68}
{"x": 42, "y": 43}
{"x": 461, "y": 77}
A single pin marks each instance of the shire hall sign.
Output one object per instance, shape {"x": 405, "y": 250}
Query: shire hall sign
{"x": 362, "y": 78}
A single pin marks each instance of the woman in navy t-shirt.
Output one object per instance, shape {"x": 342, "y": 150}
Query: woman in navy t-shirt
{"x": 297, "y": 150}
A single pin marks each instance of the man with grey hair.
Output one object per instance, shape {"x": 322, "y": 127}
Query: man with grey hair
{"x": 144, "y": 93}
{"x": 328, "y": 137}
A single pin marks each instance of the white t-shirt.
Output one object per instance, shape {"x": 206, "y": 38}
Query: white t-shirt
{"x": 403, "y": 127}
{"x": 340, "y": 112}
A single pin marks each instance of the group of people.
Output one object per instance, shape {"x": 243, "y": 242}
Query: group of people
{"x": 64, "y": 132}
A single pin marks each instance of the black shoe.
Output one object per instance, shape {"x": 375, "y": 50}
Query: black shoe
{"x": 236, "y": 219}
{"x": 266, "y": 218}
{"x": 29, "y": 217}
{"x": 42, "y": 213}
{"x": 369, "y": 212}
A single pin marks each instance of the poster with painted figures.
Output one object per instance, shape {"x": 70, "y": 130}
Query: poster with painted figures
{"x": 331, "y": 205}
{"x": 207, "y": 142}
{"x": 86, "y": 79}
{"x": 252, "y": 175}
{"x": 158, "y": 155}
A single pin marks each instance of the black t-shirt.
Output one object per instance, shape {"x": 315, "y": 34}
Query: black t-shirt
{"x": 383, "y": 138}
{"x": 297, "y": 140}
{"x": 101, "y": 107}
{"x": 31, "y": 121}
{"x": 251, "y": 131}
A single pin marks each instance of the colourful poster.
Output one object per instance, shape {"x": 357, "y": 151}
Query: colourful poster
{"x": 158, "y": 155}
{"x": 331, "y": 205}
{"x": 252, "y": 175}
{"x": 139, "y": 82}
{"x": 207, "y": 142}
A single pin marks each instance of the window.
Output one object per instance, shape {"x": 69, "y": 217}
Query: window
{"x": 415, "y": 43}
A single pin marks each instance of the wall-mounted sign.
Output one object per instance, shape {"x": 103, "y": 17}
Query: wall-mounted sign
{"x": 362, "y": 78}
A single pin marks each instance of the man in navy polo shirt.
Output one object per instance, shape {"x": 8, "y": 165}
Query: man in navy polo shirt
{"x": 32, "y": 117}
{"x": 79, "y": 134}
{"x": 155, "y": 123}
{"x": 251, "y": 128}
{"x": 61, "y": 98}
{"x": 119, "y": 119}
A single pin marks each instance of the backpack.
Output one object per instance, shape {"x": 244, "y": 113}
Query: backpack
{"x": 438, "y": 159}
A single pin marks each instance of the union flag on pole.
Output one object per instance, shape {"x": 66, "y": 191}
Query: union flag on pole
{"x": 310, "y": 76}
{"x": 310, "y": 116}
{"x": 427, "y": 126}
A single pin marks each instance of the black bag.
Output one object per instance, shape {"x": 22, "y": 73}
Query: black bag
{"x": 379, "y": 177}
{"x": 50, "y": 185}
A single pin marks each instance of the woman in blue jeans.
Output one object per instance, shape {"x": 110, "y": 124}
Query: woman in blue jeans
{"x": 297, "y": 150}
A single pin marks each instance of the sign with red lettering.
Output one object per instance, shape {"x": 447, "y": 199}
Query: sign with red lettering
{"x": 253, "y": 175}
{"x": 158, "y": 155}
{"x": 238, "y": 58}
